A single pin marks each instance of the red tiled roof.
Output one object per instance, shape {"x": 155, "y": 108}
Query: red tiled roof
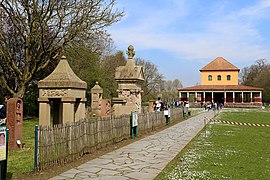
{"x": 220, "y": 88}
{"x": 219, "y": 64}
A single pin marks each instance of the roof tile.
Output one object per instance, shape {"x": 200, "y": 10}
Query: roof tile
{"x": 219, "y": 64}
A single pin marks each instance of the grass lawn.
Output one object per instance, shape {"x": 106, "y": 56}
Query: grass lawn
{"x": 22, "y": 160}
{"x": 226, "y": 151}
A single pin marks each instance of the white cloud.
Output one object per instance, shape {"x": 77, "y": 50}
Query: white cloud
{"x": 233, "y": 35}
{"x": 257, "y": 11}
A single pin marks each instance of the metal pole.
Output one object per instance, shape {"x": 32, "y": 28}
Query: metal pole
{"x": 204, "y": 126}
{"x": 3, "y": 163}
{"x": 6, "y": 161}
{"x": 36, "y": 149}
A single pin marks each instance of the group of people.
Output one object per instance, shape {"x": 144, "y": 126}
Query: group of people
{"x": 160, "y": 105}
{"x": 214, "y": 106}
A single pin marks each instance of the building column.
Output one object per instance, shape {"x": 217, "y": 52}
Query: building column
{"x": 80, "y": 112}
{"x": 196, "y": 96}
{"x": 212, "y": 97}
{"x": 203, "y": 96}
{"x": 225, "y": 96}
{"x": 242, "y": 96}
{"x": 188, "y": 96}
{"x": 260, "y": 97}
{"x": 233, "y": 97}
{"x": 251, "y": 97}
{"x": 68, "y": 110}
{"x": 180, "y": 96}
{"x": 44, "y": 111}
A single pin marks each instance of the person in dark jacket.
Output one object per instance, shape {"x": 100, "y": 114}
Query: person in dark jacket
{"x": 3, "y": 112}
{"x": 3, "y": 109}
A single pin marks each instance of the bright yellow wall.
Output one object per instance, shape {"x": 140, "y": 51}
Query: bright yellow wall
{"x": 223, "y": 81}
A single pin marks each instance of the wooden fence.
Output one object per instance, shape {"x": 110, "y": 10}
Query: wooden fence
{"x": 65, "y": 143}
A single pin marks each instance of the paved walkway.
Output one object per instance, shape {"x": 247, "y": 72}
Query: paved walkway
{"x": 143, "y": 159}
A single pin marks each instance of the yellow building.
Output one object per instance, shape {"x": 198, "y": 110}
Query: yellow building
{"x": 219, "y": 83}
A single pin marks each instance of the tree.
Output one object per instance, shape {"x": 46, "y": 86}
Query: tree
{"x": 249, "y": 74}
{"x": 153, "y": 79}
{"x": 257, "y": 75}
{"x": 170, "y": 89}
{"x": 172, "y": 85}
{"x": 86, "y": 66}
{"x": 33, "y": 34}
{"x": 108, "y": 68}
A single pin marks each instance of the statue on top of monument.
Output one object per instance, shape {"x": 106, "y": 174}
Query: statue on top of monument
{"x": 130, "y": 52}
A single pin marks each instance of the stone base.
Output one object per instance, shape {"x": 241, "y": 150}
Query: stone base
{"x": 243, "y": 105}
{"x": 231, "y": 105}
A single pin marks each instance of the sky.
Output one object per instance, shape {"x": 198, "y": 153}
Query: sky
{"x": 182, "y": 36}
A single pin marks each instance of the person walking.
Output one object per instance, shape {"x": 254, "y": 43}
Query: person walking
{"x": 3, "y": 110}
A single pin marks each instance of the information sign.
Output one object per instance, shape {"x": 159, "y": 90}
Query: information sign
{"x": 3, "y": 143}
{"x": 135, "y": 119}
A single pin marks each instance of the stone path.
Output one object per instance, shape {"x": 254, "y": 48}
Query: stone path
{"x": 143, "y": 159}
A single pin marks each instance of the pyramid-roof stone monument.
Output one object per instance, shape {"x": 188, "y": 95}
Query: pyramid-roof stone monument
{"x": 66, "y": 91}
{"x": 62, "y": 77}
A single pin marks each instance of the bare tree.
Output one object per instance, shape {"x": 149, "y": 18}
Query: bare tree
{"x": 170, "y": 91}
{"x": 34, "y": 32}
{"x": 248, "y": 75}
{"x": 153, "y": 79}
{"x": 257, "y": 75}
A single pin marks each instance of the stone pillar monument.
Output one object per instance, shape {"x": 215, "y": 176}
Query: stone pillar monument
{"x": 65, "y": 92}
{"x": 96, "y": 99}
{"x": 130, "y": 78}
{"x": 14, "y": 122}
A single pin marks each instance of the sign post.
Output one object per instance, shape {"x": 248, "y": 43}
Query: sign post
{"x": 134, "y": 124}
{"x": 3, "y": 151}
{"x": 184, "y": 112}
{"x": 167, "y": 114}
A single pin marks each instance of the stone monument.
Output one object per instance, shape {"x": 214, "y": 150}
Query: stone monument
{"x": 99, "y": 106}
{"x": 151, "y": 105}
{"x": 14, "y": 122}
{"x": 105, "y": 107}
{"x": 96, "y": 99}
{"x": 65, "y": 92}
{"x": 129, "y": 78}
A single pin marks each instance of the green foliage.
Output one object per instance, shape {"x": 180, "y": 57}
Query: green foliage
{"x": 91, "y": 68}
{"x": 108, "y": 67}
{"x": 30, "y": 103}
{"x": 85, "y": 65}
{"x": 226, "y": 151}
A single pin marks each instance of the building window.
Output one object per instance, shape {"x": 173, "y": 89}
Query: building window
{"x": 228, "y": 77}
{"x": 219, "y": 77}
{"x": 210, "y": 78}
